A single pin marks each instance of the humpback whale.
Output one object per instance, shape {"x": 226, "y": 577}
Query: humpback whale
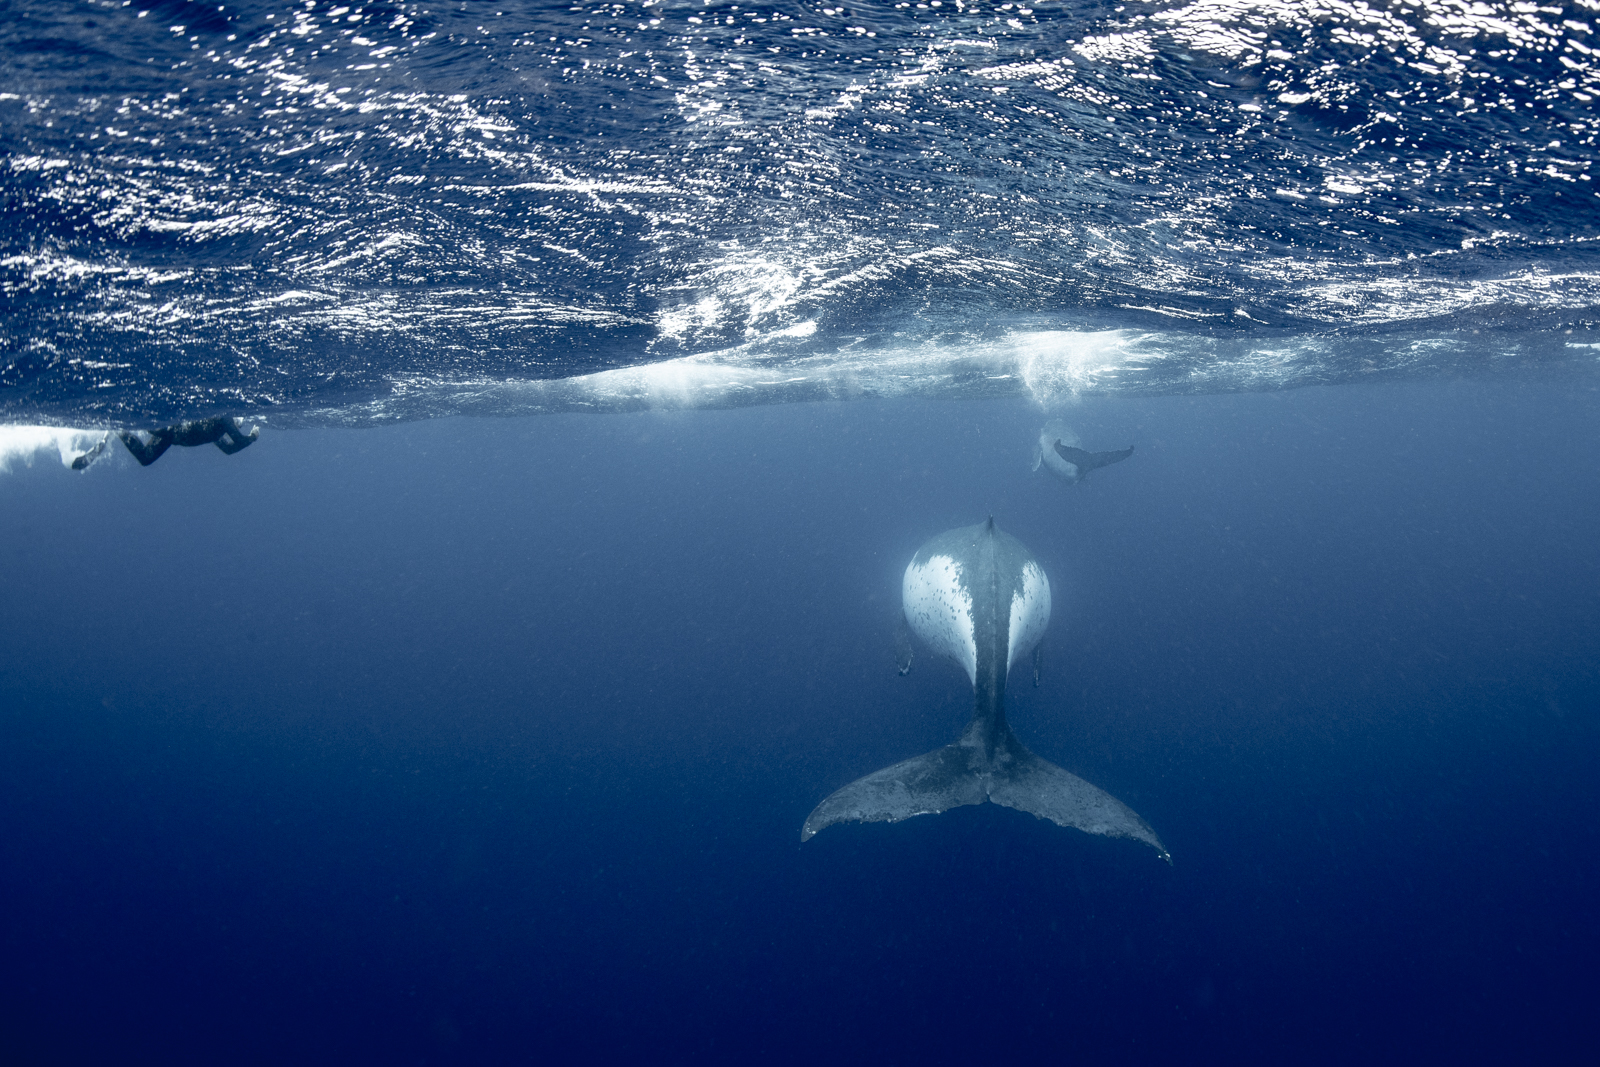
{"x": 1058, "y": 450}
{"x": 977, "y": 595}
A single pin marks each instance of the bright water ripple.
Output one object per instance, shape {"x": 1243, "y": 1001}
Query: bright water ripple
{"x": 354, "y": 212}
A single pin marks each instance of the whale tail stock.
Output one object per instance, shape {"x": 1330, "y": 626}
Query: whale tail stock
{"x": 972, "y": 772}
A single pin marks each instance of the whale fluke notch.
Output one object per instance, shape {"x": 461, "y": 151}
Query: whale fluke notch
{"x": 961, "y": 774}
{"x": 1088, "y": 461}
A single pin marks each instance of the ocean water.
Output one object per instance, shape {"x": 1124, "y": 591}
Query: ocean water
{"x": 611, "y": 362}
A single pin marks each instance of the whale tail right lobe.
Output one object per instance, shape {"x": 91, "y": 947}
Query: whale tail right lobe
{"x": 965, "y": 773}
{"x": 1089, "y": 461}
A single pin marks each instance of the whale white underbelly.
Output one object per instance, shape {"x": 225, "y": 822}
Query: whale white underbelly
{"x": 939, "y": 609}
{"x": 1030, "y": 612}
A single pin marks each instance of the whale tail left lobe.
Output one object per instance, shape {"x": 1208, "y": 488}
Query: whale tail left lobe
{"x": 965, "y": 773}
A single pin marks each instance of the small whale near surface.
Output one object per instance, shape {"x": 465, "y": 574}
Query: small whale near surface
{"x": 1058, "y": 451}
{"x": 976, "y": 594}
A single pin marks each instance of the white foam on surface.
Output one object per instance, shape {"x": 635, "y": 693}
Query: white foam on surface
{"x": 21, "y": 445}
{"x": 939, "y": 609}
{"x": 1052, "y": 368}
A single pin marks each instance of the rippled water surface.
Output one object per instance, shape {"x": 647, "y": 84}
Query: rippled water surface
{"x": 339, "y": 213}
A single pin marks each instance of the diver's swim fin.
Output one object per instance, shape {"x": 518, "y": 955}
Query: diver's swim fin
{"x": 85, "y": 459}
{"x": 1088, "y": 461}
{"x": 962, "y": 773}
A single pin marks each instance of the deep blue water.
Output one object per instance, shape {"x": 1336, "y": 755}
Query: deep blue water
{"x": 612, "y": 360}
{"x": 490, "y": 740}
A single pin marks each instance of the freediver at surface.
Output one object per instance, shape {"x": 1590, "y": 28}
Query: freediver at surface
{"x": 148, "y": 446}
{"x": 1058, "y": 450}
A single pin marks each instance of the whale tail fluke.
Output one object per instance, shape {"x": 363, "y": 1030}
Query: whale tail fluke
{"x": 923, "y": 785}
{"x": 1088, "y": 461}
{"x": 1040, "y": 788}
{"x": 963, "y": 773}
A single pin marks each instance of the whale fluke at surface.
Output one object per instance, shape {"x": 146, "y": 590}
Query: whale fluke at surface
{"x": 977, "y": 595}
{"x": 1058, "y": 450}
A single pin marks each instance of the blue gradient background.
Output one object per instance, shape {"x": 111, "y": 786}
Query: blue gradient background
{"x": 489, "y": 741}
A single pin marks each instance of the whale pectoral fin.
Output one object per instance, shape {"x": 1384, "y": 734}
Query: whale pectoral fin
{"x": 904, "y": 650}
{"x": 1040, "y": 788}
{"x": 1038, "y": 457}
{"x": 924, "y": 785}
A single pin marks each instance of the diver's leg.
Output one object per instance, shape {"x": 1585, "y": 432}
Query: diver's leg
{"x": 147, "y": 452}
{"x": 234, "y": 438}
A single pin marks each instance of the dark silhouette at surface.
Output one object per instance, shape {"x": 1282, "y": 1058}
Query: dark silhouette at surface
{"x": 1088, "y": 461}
{"x": 226, "y": 433}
